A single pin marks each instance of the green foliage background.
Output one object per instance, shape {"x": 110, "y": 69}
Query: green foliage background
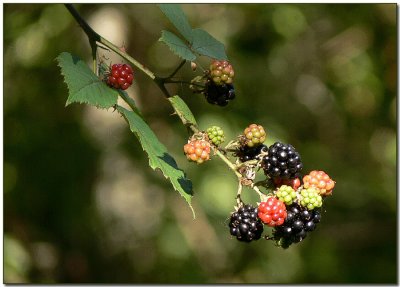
{"x": 81, "y": 203}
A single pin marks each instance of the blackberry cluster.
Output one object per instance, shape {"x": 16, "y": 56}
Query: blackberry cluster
{"x": 218, "y": 94}
{"x": 245, "y": 224}
{"x": 282, "y": 161}
{"x": 298, "y": 223}
{"x": 245, "y": 153}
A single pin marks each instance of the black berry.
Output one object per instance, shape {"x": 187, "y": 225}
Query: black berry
{"x": 297, "y": 224}
{"x": 219, "y": 94}
{"x": 245, "y": 225}
{"x": 246, "y": 153}
{"x": 282, "y": 161}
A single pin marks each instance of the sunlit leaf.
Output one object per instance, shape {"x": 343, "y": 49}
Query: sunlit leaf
{"x": 159, "y": 158}
{"x": 83, "y": 85}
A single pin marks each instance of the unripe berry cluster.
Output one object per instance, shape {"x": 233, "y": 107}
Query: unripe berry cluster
{"x": 221, "y": 72}
{"x": 254, "y": 135}
{"x": 197, "y": 150}
{"x": 320, "y": 180}
{"x": 310, "y": 198}
{"x": 216, "y": 135}
{"x": 286, "y": 194}
{"x": 272, "y": 211}
{"x": 120, "y": 76}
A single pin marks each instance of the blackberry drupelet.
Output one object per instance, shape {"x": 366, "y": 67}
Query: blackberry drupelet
{"x": 245, "y": 224}
{"x": 299, "y": 221}
{"x": 282, "y": 161}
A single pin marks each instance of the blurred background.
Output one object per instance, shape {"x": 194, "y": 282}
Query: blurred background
{"x": 81, "y": 204}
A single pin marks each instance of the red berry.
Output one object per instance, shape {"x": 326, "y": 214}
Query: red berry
{"x": 319, "y": 180}
{"x": 197, "y": 150}
{"x": 272, "y": 212}
{"x": 121, "y": 76}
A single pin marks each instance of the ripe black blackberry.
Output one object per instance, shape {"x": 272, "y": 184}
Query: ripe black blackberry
{"x": 218, "y": 94}
{"x": 298, "y": 223}
{"x": 282, "y": 161}
{"x": 245, "y": 224}
{"x": 245, "y": 153}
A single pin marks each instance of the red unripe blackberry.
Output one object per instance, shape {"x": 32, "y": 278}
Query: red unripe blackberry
{"x": 319, "y": 180}
{"x": 221, "y": 72}
{"x": 197, "y": 150}
{"x": 120, "y": 76}
{"x": 245, "y": 225}
{"x": 272, "y": 212}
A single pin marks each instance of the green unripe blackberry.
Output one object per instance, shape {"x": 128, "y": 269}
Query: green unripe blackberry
{"x": 286, "y": 194}
{"x": 216, "y": 135}
{"x": 310, "y": 198}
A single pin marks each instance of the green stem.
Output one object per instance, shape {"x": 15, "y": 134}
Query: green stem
{"x": 94, "y": 37}
{"x": 177, "y": 69}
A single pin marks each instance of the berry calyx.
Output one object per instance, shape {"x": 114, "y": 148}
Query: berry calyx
{"x": 282, "y": 161}
{"x": 310, "y": 198}
{"x": 254, "y": 135}
{"x": 272, "y": 212}
{"x": 245, "y": 225}
{"x": 216, "y": 135}
{"x": 294, "y": 183}
{"x": 197, "y": 150}
{"x": 120, "y": 76}
{"x": 221, "y": 72}
{"x": 286, "y": 194}
{"x": 320, "y": 180}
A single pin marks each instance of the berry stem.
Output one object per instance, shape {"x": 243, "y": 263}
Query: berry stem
{"x": 176, "y": 70}
{"x": 263, "y": 197}
{"x": 95, "y": 38}
{"x": 238, "y": 195}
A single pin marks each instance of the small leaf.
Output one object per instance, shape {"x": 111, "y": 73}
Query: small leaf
{"x": 183, "y": 111}
{"x": 207, "y": 45}
{"x": 158, "y": 155}
{"x": 177, "y": 45}
{"x": 83, "y": 85}
{"x": 175, "y": 14}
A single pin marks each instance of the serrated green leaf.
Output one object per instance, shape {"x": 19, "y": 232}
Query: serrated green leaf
{"x": 83, "y": 85}
{"x": 183, "y": 111}
{"x": 175, "y": 14}
{"x": 207, "y": 45}
{"x": 177, "y": 45}
{"x": 158, "y": 155}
